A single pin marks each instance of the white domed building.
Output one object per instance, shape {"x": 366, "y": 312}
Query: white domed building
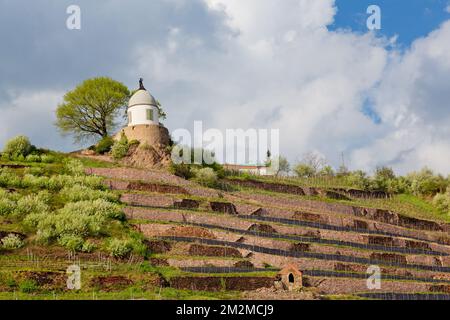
{"x": 143, "y": 120}
{"x": 142, "y": 109}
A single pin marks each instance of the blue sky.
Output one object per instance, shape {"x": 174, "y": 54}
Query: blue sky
{"x": 409, "y": 19}
{"x": 298, "y": 66}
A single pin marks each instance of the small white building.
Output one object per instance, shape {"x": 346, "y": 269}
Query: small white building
{"x": 143, "y": 120}
{"x": 142, "y": 108}
{"x": 251, "y": 169}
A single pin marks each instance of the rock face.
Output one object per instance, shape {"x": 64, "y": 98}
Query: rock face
{"x": 186, "y": 204}
{"x": 212, "y": 251}
{"x": 224, "y": 207}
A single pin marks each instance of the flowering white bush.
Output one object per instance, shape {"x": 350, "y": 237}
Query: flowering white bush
{"x": 9, "y": 179}
{"x": 119, "y": 248}
{"x": 442, "y": 202}
{"x": 32, "y": 204}
{"x": 35, "y": 171}
{"x": 71, "y": 242}
{"x": 17, "y": 147}
{"x": 12, "y": 241}
{"x": 75, "y": 167}
{"x": 7, "y": 204}
{"x": 206, "y": 177}
{"x": 82, "y": 219}
{"x": 57, "y": 182}
{"x": 46, "y": 158}
{"x": 33, "y": 158}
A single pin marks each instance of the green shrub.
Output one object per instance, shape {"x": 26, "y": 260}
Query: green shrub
{"x": 304, "y": 170}
{"x": 35, "y": 171}
{"x": 426, "y": 183}
{"x": 47, "y": 158}
{"x": 46, "y": 227}
{"x": 119, "y": 248}
{"x": 206, "y": 177}
{"x": 182, "y": 170}
{"x": 12, "y": 241}
{"x": 104, "y": 146}
{"x": 71, "y": 242}
{"x": 9, "y": 179}
{"x": 56, "y": 182}
{"x": 11, "y": 282}
{"x": 68, "y": 222}
{"x": 82, "y": 219}
{"x": 442, "y": 202}
{"x": 399, "y": 185}
{"x": 358, "y": 179}
{"x": 74, "y": 167}
{"x": 327, "y": 171}
{"x": 218, "y": 169}
{"x": 28, "y": 286}
{"x": 88, "y": 246}
{"x": 120, "y": 148}
{"x": 7, "y": 205}
{"x": 17, "y": 147}
{"x": 97, "y": 208}
{"x": 32, "y": 204}
{"x": 33, "y": 158}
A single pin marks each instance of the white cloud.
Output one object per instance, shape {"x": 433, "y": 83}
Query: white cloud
{"x": 413, "y": 102}
{"x": 264, "y": 64}
{"x": 291, "y": 73}
{"x": 32, "y": 114}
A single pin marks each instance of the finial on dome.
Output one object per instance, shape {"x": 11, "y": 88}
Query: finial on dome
{"x": 141, "y": 84}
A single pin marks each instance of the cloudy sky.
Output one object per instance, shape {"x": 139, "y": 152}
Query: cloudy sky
{"x": 310, "y": 68}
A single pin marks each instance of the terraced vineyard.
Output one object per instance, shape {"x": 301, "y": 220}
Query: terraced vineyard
{"x": 206, "y": 243}
{"x": 246, "y": 237}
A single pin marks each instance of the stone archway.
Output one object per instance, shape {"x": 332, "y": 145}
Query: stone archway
{"x": 290, "y": 278}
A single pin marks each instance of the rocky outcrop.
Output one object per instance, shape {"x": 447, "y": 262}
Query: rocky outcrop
{"x": 224, "y": 207}
{"x": 389, "y": 257}
{"x": 145, "y": 186}
{"x": 264, "y": 228}
{"x": 186, "y": 204}
{"x": 158, "y": 246}
{"x": 212, "y": 251}
{"x": 301, "y": 247}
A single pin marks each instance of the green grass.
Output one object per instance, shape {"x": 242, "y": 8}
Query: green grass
{"x": 94, "y": 163}
{"x": 408, "y": 205}
{"x": 127, "y": 294}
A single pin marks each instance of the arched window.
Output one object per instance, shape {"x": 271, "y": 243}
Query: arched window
{"x": 291, "y": 278}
